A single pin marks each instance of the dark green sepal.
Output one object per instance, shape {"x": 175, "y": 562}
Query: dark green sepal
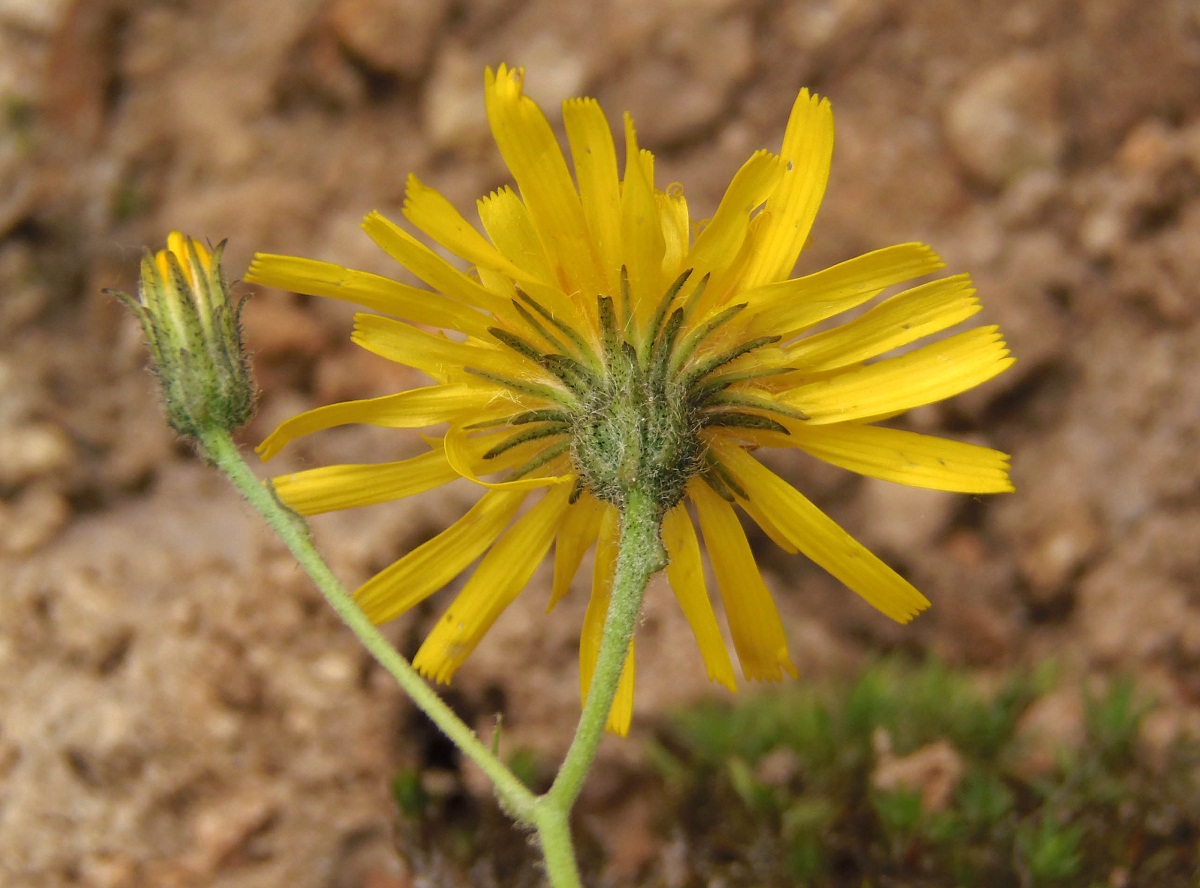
{"x": 715, "y": 471}
{"x": 697, "y": 336}
{"x": 546, "y": 431}
{"x": 529, "y": 388}
{"x": 540, "y": 459}
{"x": 722, "y": 398}
{"x": 660, "y": 315}
{"x": 708, "y": 365}
{"x": 527, "y": 316}
{"x": 566, "y": 329}
{"x": 736, "y": 420}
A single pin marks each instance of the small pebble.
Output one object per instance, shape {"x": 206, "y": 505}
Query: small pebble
{"x": 1003, "y": 121}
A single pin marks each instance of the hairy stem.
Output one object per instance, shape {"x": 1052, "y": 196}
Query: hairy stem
{"x": 639, "y": 557}
{"x": 516, "y": 799}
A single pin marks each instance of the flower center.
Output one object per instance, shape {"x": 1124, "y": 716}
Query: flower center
{"x": 632, "y": 412}
{"x": 636, "y": 430}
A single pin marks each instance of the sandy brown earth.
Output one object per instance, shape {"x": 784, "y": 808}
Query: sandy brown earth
{"x": 177, "y": 708}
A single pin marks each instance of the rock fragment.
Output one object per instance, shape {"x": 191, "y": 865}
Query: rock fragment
{"x": 1004, "y": 121}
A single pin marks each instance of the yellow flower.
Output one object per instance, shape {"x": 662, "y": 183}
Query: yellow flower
{"x": 602, "y": 342}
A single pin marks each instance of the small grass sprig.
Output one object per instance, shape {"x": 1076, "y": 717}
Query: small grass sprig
{"x": 779, "y": 789}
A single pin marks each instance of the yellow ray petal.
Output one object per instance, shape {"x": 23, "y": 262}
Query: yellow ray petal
{"x": 507, "y": 222}
{"x": 412, "y": 409}
{"x": 430, "y": 267}
{"x": 726, "y": 280}
{"x": 579, "y": 530}
{"x": 641, "y": 229}
{"x": 373, "y": 291}
{"x": 754, "y": 621}
{"x": 788, "y": 307}
{"x": 329, "y": 488}
{"x": 676, "y": 227}
{"x": 904, "y": 318}
{"x": 904, "y": 457}
{"x": 595, "y": 160}
{"x": 621, "y": 714}
{"x": 433, "y": 564}
{"x": 441, "y": 358}
{"x": 792, "y": 207}
{"x": 594, "y": 618}
{"x": 724, "y": 234}
{"x": 685, "y": 573}
{"x": 774, "y": 534}
{"x": 528, "y": 146}
{"x": 429, "y": 211}
{"x": 500, "y": 284}
{"x": 499, "y": 578}
{"x": 820, "y": 538}
{"x": 929, "y": 374}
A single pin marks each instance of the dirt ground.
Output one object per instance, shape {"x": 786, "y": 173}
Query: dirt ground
{"x": 177, "y": 708}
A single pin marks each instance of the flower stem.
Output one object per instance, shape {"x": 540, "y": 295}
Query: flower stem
{"x": 640, "y": 555}
{"x": 558, "y": 849}
{"x": 517, "y": 800}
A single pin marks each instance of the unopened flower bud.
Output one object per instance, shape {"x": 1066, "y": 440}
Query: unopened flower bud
{"x": 192, "y": 329}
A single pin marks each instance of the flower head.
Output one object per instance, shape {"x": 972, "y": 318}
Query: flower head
{"x": 191, "y": 327}
{"x": 601, "y": 344}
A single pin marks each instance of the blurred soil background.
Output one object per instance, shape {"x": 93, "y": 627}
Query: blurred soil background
{"x": 177, "y": 706}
